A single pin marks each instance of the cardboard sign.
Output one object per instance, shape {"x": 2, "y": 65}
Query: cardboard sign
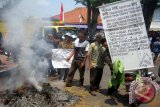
{"x": 59, "y": 58}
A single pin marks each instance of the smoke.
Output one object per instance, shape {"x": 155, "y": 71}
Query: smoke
{"x": 26, "y": 46}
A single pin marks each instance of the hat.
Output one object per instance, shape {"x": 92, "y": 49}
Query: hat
{"x": 69, "y": 35}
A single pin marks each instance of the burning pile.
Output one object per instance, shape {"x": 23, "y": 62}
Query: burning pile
{"x": 30, "y": 97}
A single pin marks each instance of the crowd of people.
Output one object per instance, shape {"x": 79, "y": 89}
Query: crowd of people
{"x": 96, "y": 53}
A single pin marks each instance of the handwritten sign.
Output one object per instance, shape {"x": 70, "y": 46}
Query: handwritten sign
{"x": 59, "y": 58}
{"x": 126, "y": 35}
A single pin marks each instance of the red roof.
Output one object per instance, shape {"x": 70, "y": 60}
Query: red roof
{"x": 73, "y": 16}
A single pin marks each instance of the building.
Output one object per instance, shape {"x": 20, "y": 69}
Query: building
{"x": 78, "y": 18}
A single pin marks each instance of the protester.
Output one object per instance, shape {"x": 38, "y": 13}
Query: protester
{"x": 107, "y": 59}
{"x": 156, "y": 48}
{"x": 66, "y": 44}
{"x": 43, "y": 49}
{"x": 55, "y": 39}
{"x": 96, "y": 64}
{"x": 81, "y": 48}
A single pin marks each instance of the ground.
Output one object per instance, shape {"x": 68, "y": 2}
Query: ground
{"x": 102, "y": 99}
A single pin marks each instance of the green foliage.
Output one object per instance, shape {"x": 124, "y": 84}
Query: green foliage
{"x": 94, "y": 3}
{"x": 147, "y": 1}
{"x": 83, "y": 2}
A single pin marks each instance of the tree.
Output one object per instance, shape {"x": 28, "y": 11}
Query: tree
{"x": 93, "y": 12}
{"x": 148, "y": 7}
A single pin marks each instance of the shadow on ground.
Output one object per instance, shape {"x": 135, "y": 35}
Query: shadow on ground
{"x": 75, "y": 82}
{"x": 117, "y": 98}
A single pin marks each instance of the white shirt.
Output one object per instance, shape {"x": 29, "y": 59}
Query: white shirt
{"x": 80, "y": 49}
{"x": 82, "y": 44}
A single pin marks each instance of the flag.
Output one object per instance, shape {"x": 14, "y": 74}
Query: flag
{"x": 61, "y": 16}
{"x": 81, "y": 18}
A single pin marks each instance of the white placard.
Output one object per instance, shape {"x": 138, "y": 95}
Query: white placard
{"x": 59, "y": 58}
{"x": 126, "y": 35}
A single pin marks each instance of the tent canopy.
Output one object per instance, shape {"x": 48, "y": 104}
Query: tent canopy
{"x": 155, "y": 26}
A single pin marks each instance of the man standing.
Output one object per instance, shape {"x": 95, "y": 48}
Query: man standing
{"x": 107, "y": 57}
{"x": 115, "y": 82}
{"x": 81, "y": 48}
{"x": 96, "y": 63}
{"x": 66, "y": 44}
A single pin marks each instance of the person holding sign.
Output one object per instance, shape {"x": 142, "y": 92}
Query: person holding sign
{"x": 107, "y": 57}
{"x": 96, "y": 64}
{"x": 66, "y": 44}
{"x": 81, "y": 48}
{"x": 113, "y": 83}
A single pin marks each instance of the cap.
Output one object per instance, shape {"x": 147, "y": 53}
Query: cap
{"x": 68, "y": 34}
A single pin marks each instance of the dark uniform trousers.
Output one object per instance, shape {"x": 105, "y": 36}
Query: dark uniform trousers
{"x": 76, "y": 64}
{"x": 95, "y": 78}
{"x": 107, "y": 59}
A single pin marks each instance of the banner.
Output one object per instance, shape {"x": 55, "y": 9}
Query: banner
{"x": 59, "y": 58}
{"x": 126, "y": 34}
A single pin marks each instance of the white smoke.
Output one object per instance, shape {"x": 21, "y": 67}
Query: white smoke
{"x": 30, "y": 52}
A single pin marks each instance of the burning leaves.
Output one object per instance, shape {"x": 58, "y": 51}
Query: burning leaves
{"x": 30, "y": 97}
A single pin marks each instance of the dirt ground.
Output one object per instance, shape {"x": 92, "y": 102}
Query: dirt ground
{"x": 102, "y": 99}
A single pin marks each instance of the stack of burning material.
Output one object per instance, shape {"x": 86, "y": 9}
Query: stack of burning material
{"x": 30, "y": 97}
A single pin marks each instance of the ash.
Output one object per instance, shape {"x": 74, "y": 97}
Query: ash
{"x": 30, "y": 97}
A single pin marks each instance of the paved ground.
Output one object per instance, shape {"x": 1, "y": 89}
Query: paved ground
{"x": 102, "y": 99}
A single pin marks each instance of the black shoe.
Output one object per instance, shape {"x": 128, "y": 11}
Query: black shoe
{"x": 92, "y": 93}
{"x": 110, "y": 91}
{"x": 68, "y": 85}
